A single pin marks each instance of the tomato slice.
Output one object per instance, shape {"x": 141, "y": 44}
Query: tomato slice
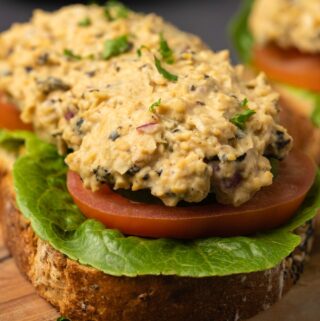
{"x": 10, "y": 116}
{"x": 270, "y": 208}
{"x": 289, "y": 66}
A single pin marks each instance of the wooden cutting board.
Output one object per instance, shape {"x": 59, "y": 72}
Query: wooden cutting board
{"x": 19, "y": 302}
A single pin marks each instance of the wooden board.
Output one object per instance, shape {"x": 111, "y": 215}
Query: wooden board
{"x": 19, "y": 302}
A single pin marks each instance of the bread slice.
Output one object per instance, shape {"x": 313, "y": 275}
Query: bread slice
{"x": 83, "y": 293}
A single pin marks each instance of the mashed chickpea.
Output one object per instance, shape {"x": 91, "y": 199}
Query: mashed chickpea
{"x": 288, "y": 23}
{"x": 176, "y": 129}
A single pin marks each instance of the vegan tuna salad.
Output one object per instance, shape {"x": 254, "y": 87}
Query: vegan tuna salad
{"x": 288, "y": 23}
{"x": 142, "y": 105}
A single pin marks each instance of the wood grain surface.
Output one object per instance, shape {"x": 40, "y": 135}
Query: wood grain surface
{"x": 19, "y": 302}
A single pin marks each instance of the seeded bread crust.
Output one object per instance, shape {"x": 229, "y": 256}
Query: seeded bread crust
{"x": 83, "y": 293}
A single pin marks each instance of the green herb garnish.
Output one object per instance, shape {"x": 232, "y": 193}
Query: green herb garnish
{"x": 116, "y": 47}
{"x": 139, "y": 50}
{"x": 85, "y": 22}
{"x": 274, "y": 166}
{"x": 240, "y": 119}
{"x": 166, "y": 74}
{"x": 70, "y": 54}
{"x": 165, "y": 51}
{"x": 244, "y": 102}
{"x": 115, "y": 10}
{"x": 152, "y": 108}
{"x": 63, "y": 319}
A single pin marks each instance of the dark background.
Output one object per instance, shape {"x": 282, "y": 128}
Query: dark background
{"x": 205, "y": 18}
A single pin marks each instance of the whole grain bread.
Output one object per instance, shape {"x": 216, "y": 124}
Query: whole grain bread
{"x": 83, "y": 293}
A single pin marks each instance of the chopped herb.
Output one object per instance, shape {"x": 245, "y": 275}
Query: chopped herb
{"x": 166, "y": 74}
{"x": 165, "y": 51}
{"x": 115, "y": 10}
{"x": 154, "y": 105}
{"x": 91, "y": 57}
{"x": 122, "y": 10}
{"x": 244, "y": 102}
{"x": 116, "y": 47}
{"x": 70, "y": 54}
{"x": 139, "y": 50}
{"x": 240, "y": 119}
{"x": 85, "y": 22}
{"x": 274, "y": 166}
{"x": 63, "y": 319}
{"x": 107, "y": 14}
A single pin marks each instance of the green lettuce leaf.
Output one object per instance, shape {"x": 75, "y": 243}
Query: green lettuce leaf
{"x": 239, "y": 32}
{"x": 40, "y": 185}
{"x": 309, "y": 95}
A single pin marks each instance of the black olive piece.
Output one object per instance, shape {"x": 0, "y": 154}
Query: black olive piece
{"x": 210, "y": 159}
{"x": 146, "y": 177}
{"x": 52, "y": 84}
{"x": 281, "y": 142}
{"x": 159, "y": 172}
{"x": 241, "y": 157}
{"x": 133, "y": 170}
{"x": 114, "y": 135}
{"x": 102, "y": 175}
{"x": 28, "y": 69}
{"x": 43, "y": 59}
{"x": 79, "y": 122}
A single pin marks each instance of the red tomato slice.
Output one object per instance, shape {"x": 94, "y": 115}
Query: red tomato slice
{"x": 289, "y": 66}
{"x": 10, "y": 116}
{"x": 270, "y": 208}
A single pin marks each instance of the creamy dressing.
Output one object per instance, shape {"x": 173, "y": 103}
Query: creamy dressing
{"x": 288, "y": 23}
{"x": 183, "y": 147}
